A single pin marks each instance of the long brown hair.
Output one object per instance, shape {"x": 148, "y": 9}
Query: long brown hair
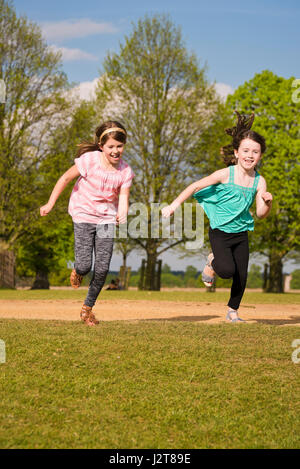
{"x": 118, "y": 135}
{"x": 238, "y": 133}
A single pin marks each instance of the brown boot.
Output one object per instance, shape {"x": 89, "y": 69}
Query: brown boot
{"x": 75, "y": 279}
{"x": 87, "y": 316}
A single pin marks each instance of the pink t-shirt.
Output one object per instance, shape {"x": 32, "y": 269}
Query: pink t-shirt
{"x": 95, "y": 196}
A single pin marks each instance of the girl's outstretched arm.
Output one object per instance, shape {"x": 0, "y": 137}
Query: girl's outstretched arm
{"x": 63, "y": 181}
{"x": 263, "y": 199}
{"x": 123, "y": 205}
{"x": 219, "y": 176}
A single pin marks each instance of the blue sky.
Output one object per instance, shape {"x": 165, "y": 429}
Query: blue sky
{"x": 235, "y": 39}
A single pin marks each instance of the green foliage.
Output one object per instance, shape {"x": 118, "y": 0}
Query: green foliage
{"x": 35, "y": 107}
{"x": 255, "y": 279}
{"x": 61, "y": 277}
{"x": 43, "y": 248}
{"x": 157, "y": 89}
{"x": 134, "y": 280}
{"x": 48, "y": 244}
{"x": 124, "y": 246}
{"x": 190, "y": 277}
{"x": 277, "y": 118}
{"x": 207, "y": 158}
{"x": 167, "y": 280}
{"x": 295, "y": 282}
{"x": 38, "y": 135}
{"x": 171, "y": 280}
{"x": 166, "y": 269}
{"x": 190, "y": 271}
{"x": 223, "y": 282}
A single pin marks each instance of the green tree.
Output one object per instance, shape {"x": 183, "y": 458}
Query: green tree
{"x": 34, "y": 108}
{"x": 207, "y": 158}
{"x": 171, "y": 280}
{"x": 166, "y": 269}
{"x": 44, "y": 251}
{"x": 124, "y": 246}
{"x": 190, "y": 276}
{"x": 255, "y": 279}
{"x": 278, "y": 120}
{"x": 295, "y": 282}
{"x": 158, "y": 90}
{"x": 48, "y": 244}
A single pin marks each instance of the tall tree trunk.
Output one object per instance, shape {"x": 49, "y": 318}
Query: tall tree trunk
{"x": 265, "y": 281}
{"x": 150, "y": 271}
{"x": 275, "y": 280}
{"x": 142, "y": 275}
{"x": 7, "y": 269}
{"x": 41, "y": 281}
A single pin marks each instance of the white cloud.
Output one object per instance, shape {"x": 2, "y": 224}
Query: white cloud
{"x": 70, "y": 29}
{"x": 69, "y": 55}
{"x": 85, "y": 90}
{"x": 223, "y": 90}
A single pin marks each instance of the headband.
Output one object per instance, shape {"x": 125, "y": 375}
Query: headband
{"x": 112, "y": 129}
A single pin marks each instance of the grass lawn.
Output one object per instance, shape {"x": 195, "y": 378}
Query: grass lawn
{"x": 175, "y": 295}
{"x": 148, "y": 384}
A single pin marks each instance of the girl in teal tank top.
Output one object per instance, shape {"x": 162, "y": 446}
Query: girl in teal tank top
{"x": 227, "y": 205}
{"x": 226, "y": 197}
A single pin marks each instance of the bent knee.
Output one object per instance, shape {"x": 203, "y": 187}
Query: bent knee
{"x": 83, "y": 269}
{"x": 224, "y": 271}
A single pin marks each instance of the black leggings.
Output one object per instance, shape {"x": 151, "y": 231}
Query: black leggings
{"x": 231, "y": 257}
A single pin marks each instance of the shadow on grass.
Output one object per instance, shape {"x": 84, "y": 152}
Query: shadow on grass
{"x": 184, "y": 318}
{"x": 279, "y": 322}
{"x": 274, "y": 322}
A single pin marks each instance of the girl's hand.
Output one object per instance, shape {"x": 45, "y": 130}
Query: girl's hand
{"x": 120, "y": 219}
{"x": 167, "y": 211}
{"x": 267, "y": 197}
{"x": 45, "y": 209}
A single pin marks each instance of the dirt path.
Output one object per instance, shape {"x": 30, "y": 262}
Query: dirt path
{"x": 132, "y": 310}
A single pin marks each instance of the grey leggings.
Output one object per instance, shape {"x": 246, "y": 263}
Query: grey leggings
{"x": 99, "y": 239}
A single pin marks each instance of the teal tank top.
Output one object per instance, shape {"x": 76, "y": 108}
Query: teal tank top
{"x": 227, "y": 205}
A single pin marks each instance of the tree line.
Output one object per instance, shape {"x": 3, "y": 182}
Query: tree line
{"x": 190, "y": 278}
{"x": 175, "y": 122}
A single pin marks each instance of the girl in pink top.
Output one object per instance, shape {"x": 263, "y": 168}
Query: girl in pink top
{"x": 99, "y": 201}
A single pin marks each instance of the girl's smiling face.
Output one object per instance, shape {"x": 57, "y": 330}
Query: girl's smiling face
{"x": 112, "y": 150}
{"x": 249, "y": 153}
